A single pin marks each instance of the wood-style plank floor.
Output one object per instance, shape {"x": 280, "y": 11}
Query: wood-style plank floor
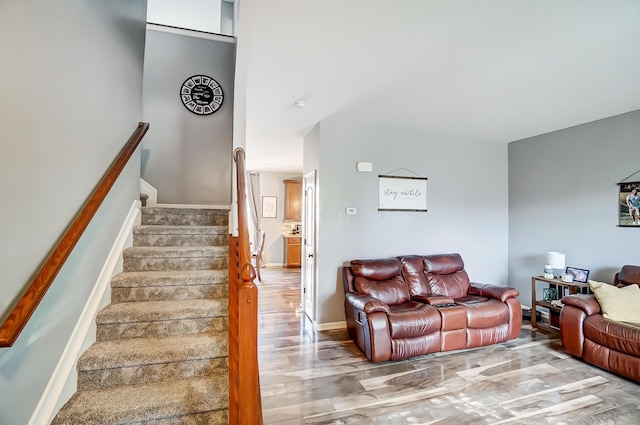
{"x": 310, "y": 377}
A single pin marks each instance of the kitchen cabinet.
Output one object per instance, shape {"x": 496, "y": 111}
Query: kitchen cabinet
{"x": 292, "y": 252}
{"x": 292, "y": 199}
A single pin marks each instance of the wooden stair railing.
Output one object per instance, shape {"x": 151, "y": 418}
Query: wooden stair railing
{"x": 27, "y": 304}
{"x": 245, "y": 403}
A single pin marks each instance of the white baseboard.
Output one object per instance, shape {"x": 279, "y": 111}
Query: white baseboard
{"x": 210, "y": 207}
{"x": 274, "y": 265}
{"x": 329, "y": 326}
{"x": 544, "y": 313}
{"x": 59, "y": 383}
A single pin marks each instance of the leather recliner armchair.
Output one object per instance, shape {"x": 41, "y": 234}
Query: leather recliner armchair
{"x": 608, "y": 344}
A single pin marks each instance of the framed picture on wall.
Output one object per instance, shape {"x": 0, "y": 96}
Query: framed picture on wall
{"x": 629, "y": 205}
{"x": 402, "y": 193}
{"x": 269, "y": 206}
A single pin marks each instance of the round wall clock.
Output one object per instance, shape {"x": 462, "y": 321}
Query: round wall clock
{"x": 201, "y": 95}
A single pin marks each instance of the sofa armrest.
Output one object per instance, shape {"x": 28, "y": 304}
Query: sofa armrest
{"x": 585, "y": 302}
{"x": 433, "y": 299}
{"x": 502, "y": 293}
{"x": 366, "y": 303}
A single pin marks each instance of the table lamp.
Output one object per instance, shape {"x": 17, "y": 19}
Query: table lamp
{"x": 555, "y": 260}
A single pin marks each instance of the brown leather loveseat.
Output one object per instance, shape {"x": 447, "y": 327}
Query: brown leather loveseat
{"x": 609, "y": 344}
{"x": 408, "y": 306}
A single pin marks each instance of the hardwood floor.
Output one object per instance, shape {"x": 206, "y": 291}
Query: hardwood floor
{"x": 310, "y": 377}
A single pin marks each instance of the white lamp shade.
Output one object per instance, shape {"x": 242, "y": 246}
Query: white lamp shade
{"x": 555, "y": 260}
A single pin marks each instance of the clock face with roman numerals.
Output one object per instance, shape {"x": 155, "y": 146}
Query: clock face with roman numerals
{"x": 201, "y": 95}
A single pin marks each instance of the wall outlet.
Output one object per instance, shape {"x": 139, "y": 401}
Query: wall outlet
{"x": 350, "y": 211}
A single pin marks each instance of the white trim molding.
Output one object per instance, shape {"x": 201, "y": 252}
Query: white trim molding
{"x": 59, "y": 383}
{"x": 210, "y": 207}
{"x": 150, "y": 191}
{"x": 191, "y": 33}
{"x": 329, "y": 326}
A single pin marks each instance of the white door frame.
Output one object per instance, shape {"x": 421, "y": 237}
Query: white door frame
{"x": 309, "y": 258}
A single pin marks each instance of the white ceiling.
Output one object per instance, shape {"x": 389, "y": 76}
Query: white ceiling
{"x": 491, "y": 70}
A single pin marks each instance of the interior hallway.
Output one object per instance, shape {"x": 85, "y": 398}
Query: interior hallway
{"x": 312, "y": 377}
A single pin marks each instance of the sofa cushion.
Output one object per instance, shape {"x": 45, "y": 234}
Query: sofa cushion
{"x": 471, "y": 299}
{"x": 443, "y": 263}
{"x": 380, "y": 269}
{"x": 611, "y": 334}
{"x": 413, "y": 272}
{"x": 620, "y": 304}
{"x": 413, "y": 319}
{"x": 446, "y": 275}
{"x": 487, "y": 314}
{"x": 381, "y": 279}
{"x": 629, "y": 275}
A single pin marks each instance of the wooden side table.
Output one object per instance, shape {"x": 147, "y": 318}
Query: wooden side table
{"x": 561, "y": 287}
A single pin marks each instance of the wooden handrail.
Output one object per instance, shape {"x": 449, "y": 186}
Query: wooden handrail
{"x": 245, "y": 404}
{"x": 28, "y": 303}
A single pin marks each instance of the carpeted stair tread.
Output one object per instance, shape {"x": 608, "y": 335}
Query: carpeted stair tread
{"x": 161, "y": 235}
{"x": 184, "y": 216}
{"x": 169, "y": 278}
{"x": 161, "y": 350}
{"x": 144, "y": 351}
{"x": 179, "y": 230}
{"x": 146, "y": 403}
{"x": 175, "y": 252}
{"x": 146, "y": 311}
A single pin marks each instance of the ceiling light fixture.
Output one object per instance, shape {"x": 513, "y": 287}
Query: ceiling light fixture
{"x": 299, "y": 104}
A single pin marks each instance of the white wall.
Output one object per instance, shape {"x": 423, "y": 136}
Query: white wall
{"x": 466, "y": 196}
{"x": 70, "y": 90}
{"x": 187, "y": 157}
{"x": 201, "y": 15}
{"x": 226, "y": 18}
{"x": 563, "y": 197}
{"x": 271, "y": 184}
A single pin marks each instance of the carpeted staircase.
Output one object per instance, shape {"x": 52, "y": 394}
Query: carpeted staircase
{"x": 161, "y": 351}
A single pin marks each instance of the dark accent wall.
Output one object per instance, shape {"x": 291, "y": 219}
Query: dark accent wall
{"x": 563, "y": 196}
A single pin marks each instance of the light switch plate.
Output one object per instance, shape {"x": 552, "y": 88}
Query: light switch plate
{"x": 351, "y": 211}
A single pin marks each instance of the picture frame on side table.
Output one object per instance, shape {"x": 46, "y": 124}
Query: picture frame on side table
{"x": 269, "y": 206}
{"x": 579, "y": 275}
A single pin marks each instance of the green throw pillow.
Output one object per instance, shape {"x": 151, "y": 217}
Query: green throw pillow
{"x": 619, "y": 304}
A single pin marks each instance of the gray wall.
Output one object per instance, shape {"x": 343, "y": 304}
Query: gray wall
{"x": 563, "y": 197}
{"x": 70, "y": 97}
{"x": 187, "y": 157}
{"x": 466, "y": 195}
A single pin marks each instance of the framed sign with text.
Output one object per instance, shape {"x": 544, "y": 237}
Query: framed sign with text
{"x": 397, "y": 193}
